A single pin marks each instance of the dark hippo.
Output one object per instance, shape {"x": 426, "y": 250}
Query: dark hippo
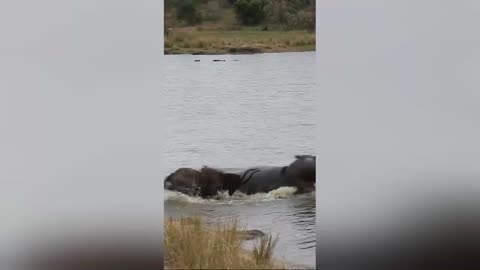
{"x": 299, "y": 174}
{"x": 208, "y": 181}
{"x": 185, "y": 180}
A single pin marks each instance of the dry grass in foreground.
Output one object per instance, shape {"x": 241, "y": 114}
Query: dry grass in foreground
{"x": 189, "y": 244}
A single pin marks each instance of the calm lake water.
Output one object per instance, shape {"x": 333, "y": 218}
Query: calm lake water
{"x": 249, "y": 110}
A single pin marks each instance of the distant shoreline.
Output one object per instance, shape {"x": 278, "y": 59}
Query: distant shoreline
{"x": 227, "y": 52}
{"x": 213, "y": 27}
{"x": 188, "y": 40}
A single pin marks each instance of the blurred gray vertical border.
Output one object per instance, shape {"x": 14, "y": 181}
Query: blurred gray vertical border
{"x": 398, "y": 149}
{"x": 79, "y": 82}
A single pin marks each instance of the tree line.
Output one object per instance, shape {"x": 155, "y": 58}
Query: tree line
{"x": 289, "y": 14}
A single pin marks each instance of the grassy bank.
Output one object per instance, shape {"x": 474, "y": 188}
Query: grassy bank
{"x": 239, "y": 26}
{"x": 189, "y": 40}
{"x": 189, "y": 244}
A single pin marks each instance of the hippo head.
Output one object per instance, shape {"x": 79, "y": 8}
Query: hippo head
{"x": 185, "y": 180}
{"x": 206, "y": 182}
{"x": 302, "y": 170}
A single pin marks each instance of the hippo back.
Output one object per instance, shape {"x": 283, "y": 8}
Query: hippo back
{"x": 264, "y": 179}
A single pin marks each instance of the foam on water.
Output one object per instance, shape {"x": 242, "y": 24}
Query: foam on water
{"x": 237, "y": 197}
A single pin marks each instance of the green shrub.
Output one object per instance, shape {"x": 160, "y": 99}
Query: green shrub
{"x": 211, "y": 11}
{"x": 187, "y": 11}
{"x": 250, "y": 12}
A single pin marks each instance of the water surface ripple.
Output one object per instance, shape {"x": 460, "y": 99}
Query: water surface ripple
{"x": 258, "y": 110}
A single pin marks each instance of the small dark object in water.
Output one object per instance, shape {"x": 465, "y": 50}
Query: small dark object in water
{"x": 244, "y": 50}
{"x": 218, "y": 60}
{"x": 252, "y": 234}
{"x": 197, "y": 60}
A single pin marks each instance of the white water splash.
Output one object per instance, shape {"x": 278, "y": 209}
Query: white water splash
{"x": 237, "y": 197}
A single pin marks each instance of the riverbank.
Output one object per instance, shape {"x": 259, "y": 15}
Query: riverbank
{"x": 190, "y": 244}
{"x": 198, "y": 40}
